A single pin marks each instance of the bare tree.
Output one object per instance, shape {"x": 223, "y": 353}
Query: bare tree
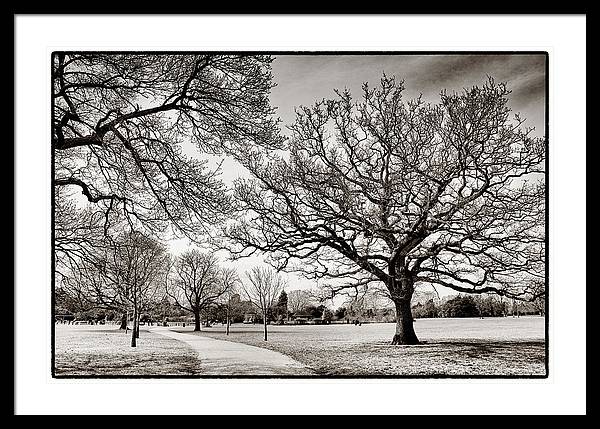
{"x": 263, "y": 289}
{"x": 230, "y": 280}
{"x": 134, "y": 269}
{"x": 197, "y": 282}
{"x": 539, "y": 294}
{"x": 83, "y": 282}
{"x": 125, "y": 275}
{"x": 125, "y": 124}
{"x": 299, "y": 299}
{"x": 76, "y": 234}
{"x": 394, "y": 193}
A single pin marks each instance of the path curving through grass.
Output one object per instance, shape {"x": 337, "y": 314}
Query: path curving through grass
{"x": 227, "y": 358}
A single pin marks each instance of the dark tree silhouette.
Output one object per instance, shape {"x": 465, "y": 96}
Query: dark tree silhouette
{"x": 280, "y": 309}
{"x": 396, "y": 193}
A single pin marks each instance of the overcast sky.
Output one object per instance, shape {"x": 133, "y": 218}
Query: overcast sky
{"x": 303, "y": 79}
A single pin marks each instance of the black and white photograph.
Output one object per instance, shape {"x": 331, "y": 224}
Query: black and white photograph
{"x": 299, "y": 215}
{"x": 320, "y": 214}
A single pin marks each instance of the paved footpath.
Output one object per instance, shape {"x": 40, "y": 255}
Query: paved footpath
{"x": 218, "y": 357}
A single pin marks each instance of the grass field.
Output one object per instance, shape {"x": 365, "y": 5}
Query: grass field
{"x": 104, "y": 350}
{"x": 485, "y": 347}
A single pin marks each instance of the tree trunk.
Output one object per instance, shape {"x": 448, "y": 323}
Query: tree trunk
{"x": 133, "y": 332}
{"x": 405, "y": 332}
{"x": 123, "y": 321}
{"x": 227, "y": 323}
{"x": 197, "y": 321}
{"x": 137, "y": 327}
{"x": 265, "y": 324}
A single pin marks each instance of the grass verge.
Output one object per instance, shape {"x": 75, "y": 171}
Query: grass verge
{"x": 97, "y": 351}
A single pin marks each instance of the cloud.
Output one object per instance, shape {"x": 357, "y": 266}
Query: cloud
{"x": 304, "y": 79}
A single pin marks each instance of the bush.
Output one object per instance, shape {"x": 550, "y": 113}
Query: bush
{"x": 340, "y": 313}
{"x": 460, "y": 306}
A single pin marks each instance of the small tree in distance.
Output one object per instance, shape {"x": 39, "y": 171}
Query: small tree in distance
{"x": 196, "y": 283}
{"x": 280, "y": 311}
{"x": 263, "y": 287}
{"x": 298, "y": 300}
{"x": 230, "y": 280}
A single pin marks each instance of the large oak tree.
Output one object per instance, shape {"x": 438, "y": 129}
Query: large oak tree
{"x": 384, "y": 191}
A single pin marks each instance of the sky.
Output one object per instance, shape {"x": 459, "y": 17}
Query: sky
{"x": 304, "y": 79}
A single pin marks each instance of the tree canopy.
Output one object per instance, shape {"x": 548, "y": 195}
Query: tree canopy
{"x": 126, "y": 128}
{"x": 394, "y": 192}
{"x": 197, "y": 281}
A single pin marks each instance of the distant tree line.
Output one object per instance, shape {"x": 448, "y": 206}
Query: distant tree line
{"x": 476, "y": 306}
{"x": 235, "y": 310}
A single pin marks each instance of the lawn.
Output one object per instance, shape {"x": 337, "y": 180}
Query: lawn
{"x": 104, "y": 350}
{"x": 484, "y": 347}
